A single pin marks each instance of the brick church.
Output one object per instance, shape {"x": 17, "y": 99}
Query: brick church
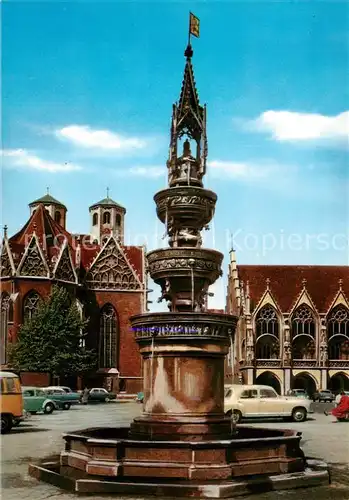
{"x": 293, "y": 329}
{"x": 106, "y": 277}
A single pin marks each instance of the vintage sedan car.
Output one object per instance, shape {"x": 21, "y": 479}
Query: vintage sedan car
{"x": 99, "y": 394}
{"x": 62, "y": 398}
{"x": 324, "y": 395}
{"x": 36, "y": 400}
{"x": 298, "y": 393}
{"x": 261, "y": 401}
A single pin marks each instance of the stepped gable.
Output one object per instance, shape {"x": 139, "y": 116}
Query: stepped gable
{"x": 46, "y": 229}
{"x": 322, "y": 283}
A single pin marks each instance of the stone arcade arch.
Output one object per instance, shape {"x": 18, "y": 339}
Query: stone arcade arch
{"x": 339, "y": 382}
{"x": 304, "y": 381}
{"x": 269, "y": 378}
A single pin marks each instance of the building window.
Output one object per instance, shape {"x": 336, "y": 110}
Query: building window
{"x": 108, "y": 337}
{"x": 118, "y": 220}
{"x": 58, "y": 217}
{"x": 303, "y": 333}
{"x": 31, "y": 304}
{"x": 338, "y": 333}
{"x": 106, "y": 218}
{"x": 95, "y": 219}
{"x": 267, "y": 333}
{"x": 4, "y": 321}
{"x": 267, "y": 322}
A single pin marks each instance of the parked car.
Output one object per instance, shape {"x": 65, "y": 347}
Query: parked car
{"x": 140, "y": 397}
{"x": 298, "y": 393}
{"x": 64, "y": 387}
{"x": 324, "y": 395}
{"x": 62, "y": 398}
{"x": 11, "y": 400}
{"x": 260, "y": 401}
{"x": 36, "y": 400}
{"x": 99, "y": 394}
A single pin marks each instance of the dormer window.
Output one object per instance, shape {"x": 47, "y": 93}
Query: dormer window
{"x": 106, "y": 218}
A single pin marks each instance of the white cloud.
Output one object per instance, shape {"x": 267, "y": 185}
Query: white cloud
{"x": 150, "y": 171}
{"x": 240, "y": 170}
{"x": 292, "y": 126}
{"x": 99, "y": 139}
{"x": 21, "y": 158}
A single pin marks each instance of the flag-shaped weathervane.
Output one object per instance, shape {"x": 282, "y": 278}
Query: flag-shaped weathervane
{"x": 194, "y": 25}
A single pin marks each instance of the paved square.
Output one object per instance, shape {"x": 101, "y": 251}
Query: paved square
{"x": 41, "y": 436}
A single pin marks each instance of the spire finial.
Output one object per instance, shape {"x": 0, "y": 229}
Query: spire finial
{"x": 107, "y": 192}
{"x": 5, "y": 231}
{"x": 48, "y": 190}
{"x": 340, "y": 282}
{"x": 304, "y": 282}
{"x": 267, "y": 282}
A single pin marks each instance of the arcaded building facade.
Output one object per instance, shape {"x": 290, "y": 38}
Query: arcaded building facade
{"x": 106, "y": 278}
{"x": 293, "y": 329}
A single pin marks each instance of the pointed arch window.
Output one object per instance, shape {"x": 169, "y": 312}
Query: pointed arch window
{"x": 303, "y": 322}
{"x": 267, "y": 321}
{"x": 5, "y": 318}
{"x": 95, "y": 219}
{"x": 31, "y": 304}
{"x": 338, "y": 333}
{"x": 118, "y": 220}
{"x": 267, "y": 333}
{"x": 106, "y": 218}
{"x": 58, "y": 217}
{"x": 108, "y": 337}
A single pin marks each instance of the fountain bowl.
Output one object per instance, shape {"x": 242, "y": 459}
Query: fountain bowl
{"x": 106, "y": 460}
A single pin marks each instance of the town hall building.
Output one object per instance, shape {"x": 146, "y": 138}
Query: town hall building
{"x": 107, "y": 278}
{"x": 293, "y": 328}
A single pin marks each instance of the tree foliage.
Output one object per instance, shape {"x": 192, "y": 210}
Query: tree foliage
{"x": 51, "y": 341}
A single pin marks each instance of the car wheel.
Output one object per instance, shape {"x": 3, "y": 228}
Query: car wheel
{"x": 236, "y": 416}
{"x": 66, "y": 406}
{"x": 107, "y": 400}
{"x": 49, "y": 407}
{"x": 6, "y": 424}
{"x": 299, "y": 415}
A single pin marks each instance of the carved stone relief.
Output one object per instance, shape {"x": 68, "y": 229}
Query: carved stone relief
{"x": 64, "y": 270}
{"x": 6, "y": 268}
{"x": 33, "y": 264}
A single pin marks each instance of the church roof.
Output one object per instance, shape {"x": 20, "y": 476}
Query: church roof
{"x": 47, "y": 200}
{"x": 107, "y": 202}
{"x": 286, "y": 283}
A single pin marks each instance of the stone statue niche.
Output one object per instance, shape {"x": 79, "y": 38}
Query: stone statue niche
{"x": 187, "y": 169}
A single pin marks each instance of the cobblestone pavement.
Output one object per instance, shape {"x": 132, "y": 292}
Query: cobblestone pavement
{"x": 41, "y": 436}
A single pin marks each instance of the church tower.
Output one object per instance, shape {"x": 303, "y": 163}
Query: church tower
{"x": 55, "y": 208}
{"x": 107, "y": 217}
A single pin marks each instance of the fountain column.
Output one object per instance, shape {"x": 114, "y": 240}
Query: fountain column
{"x": 184, "y": 350}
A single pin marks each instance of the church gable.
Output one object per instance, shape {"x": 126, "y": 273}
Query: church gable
{"x": 6, "y": 263}
{"x": 64, "y": 270}
{"x": 33, "y": 261}
{"x": 303, "y": 298}
{"x": 112, "y": 270}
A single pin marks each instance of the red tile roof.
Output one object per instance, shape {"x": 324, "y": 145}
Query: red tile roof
{"x": 54, "y": 234}
{"x": 322, "y": 283}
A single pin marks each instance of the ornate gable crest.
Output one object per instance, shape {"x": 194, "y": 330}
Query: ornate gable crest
{"x": 340, "y": 299}
{"x": 112, "y": 270}
{"x": 7, "y": 267}
{"x": 304, "y": 298}
{"x": 267, "y": 298}
{"x": 33, "y": 262}
{"x": 64, "y": 268}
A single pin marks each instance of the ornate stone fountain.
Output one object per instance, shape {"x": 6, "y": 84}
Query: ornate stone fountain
{"x": 183, "y": 444}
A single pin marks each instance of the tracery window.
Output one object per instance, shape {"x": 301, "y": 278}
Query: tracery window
{"x": 267, "y": 321}
{"x": 338, "y": 322}
{"x": 6, "y": 311}
{"x": 338, "y": 333}
{"x": 106, "y": 218}
{"x": 31, "y": 304}
{"x": 58, "y": 217}
{"x": 95, "y": 219}
{"x": 303, "y": 322}
{"x": 108, "y": 337}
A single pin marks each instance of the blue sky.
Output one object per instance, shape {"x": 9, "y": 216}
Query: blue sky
{"x": 87, "y": 98}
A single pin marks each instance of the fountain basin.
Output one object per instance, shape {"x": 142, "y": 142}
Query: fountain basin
{"x": 106, "y": 460}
